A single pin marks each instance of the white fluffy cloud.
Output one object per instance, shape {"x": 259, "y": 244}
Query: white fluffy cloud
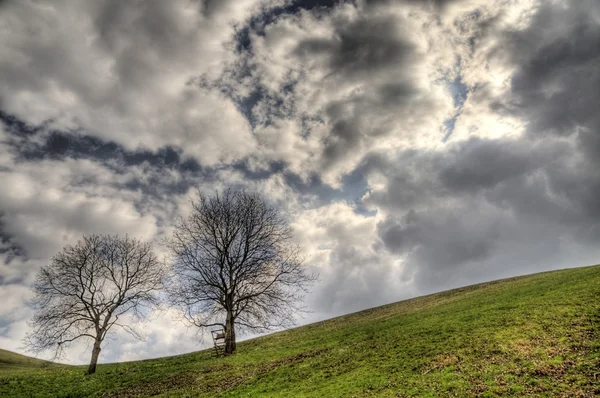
{"x": 121, "y": 71}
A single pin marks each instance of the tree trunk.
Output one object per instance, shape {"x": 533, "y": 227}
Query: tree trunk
{"x": 229, "y": 334}
{"x": 94, "y": 361}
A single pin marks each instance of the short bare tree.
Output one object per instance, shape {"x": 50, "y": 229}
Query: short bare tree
{"x": 235, "y": 265}
{"x": 88, "y": 288}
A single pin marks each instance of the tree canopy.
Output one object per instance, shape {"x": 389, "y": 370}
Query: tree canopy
{"x": 87, "y": 290}
{"x": 234, "y": 264}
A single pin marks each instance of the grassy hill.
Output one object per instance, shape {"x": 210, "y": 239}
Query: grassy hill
{"x": 537, "y": 335}
{"x": 13, "y": 362}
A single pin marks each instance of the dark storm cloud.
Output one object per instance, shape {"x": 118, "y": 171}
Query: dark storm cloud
{"x": 464, "y": 211}
{"x": 555, "y": 90}
{"x": 480, "y": 164}
{"x": 367, "y": 45}
{"x": 349, "y": 127}
{"x": 473, "y": 167}
{"x": 365, "y": 48}
{"x": 449, "y": 210}
{"x": 448, "y": 238}
{"x": 557, "y": 58}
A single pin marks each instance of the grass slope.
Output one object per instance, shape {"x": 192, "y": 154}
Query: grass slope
{"x": 12, "y": 362}
{"x": 537, "y": 335}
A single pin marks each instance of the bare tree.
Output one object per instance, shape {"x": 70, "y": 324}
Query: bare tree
{"x": 235, "y": 265}
{"x": 88, "y": 288}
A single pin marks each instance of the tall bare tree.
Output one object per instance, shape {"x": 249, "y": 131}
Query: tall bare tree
{"x": 88, "y": 288}
{"x": 235, "y": 265}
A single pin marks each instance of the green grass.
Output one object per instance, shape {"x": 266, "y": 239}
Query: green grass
{"x": 537, "y": 335}
{"x": 13, "y": 362}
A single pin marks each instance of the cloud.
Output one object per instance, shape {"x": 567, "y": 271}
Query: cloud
{"x": 343, "y": 247}
{"x": 500, "y": 205}
{"x": 470, "y": 206}
{"x": 340, "y": 82}
{"x": 414, "y": 145}
{"x": 51, "y": 204}
{"x": 120, "y": 72}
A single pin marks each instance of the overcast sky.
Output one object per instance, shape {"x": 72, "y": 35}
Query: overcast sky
{"x": 414, "y": 145}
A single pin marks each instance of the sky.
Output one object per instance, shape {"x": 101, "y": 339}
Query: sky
{"x": 414, "y": 146}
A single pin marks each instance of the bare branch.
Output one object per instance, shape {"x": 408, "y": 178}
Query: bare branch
{"x": 233, "y": 259}
{"x": 85, "y": 289}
